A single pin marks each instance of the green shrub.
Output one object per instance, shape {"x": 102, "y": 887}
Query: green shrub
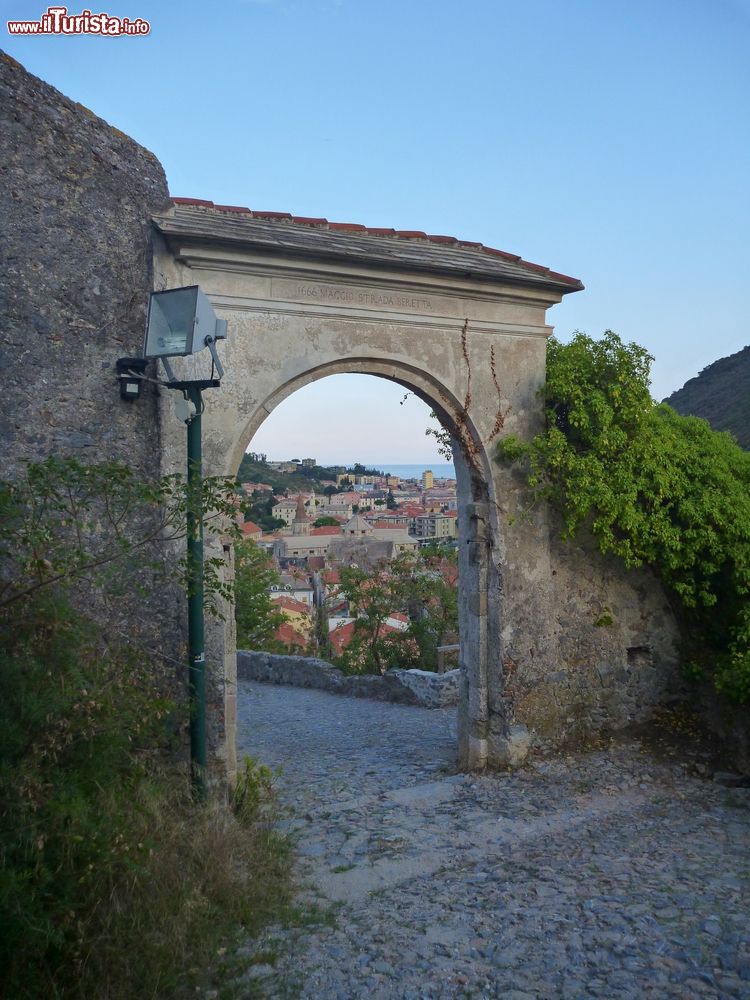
{"x": 113, "y": 882}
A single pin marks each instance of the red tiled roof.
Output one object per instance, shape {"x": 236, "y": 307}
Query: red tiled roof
{"x": 251, "y": 528}
{"x": 331, "y": 576}
{"x": 340, "y": 636}
{"x": 289, "y": 636}
{"x": 355, "y": 227}
{"x": 327, "y": 529}
{"x": 290, "y": 603}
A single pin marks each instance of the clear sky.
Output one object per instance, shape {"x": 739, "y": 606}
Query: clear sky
{"x": 607, "y": 140}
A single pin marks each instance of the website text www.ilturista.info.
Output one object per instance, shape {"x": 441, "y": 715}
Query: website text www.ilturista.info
{"x": 57, "y": 21}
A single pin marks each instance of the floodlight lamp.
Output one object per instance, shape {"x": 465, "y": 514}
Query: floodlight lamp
{"x": 181, "y": 321}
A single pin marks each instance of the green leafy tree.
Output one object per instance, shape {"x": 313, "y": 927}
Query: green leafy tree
{"x": 372, "y": 597}
{"x": 256, "y": 614}
{"x": 325, "y": 522}
{"x": 654, "y": 488}
{"x": 412, "y": 584}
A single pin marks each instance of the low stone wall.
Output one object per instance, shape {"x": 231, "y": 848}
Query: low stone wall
{"x": 407, "y": 687}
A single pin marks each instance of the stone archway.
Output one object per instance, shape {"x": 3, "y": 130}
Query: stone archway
{"x": 479, "y": 632}
{"x": 465, "y": 327}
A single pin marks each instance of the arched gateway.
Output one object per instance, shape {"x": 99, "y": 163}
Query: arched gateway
{"x": 464, "y": 327}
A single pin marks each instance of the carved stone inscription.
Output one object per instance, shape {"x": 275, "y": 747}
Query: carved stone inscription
{"x": 334, "y": 295}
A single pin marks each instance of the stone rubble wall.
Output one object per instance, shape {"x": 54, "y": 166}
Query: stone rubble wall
{"x": 615, "y": 646}
{"x": 406, "y": 687}
{"x": 76, "y": 200}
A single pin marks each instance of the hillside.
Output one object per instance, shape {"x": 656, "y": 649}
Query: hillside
{"x": 254, "y": 470}
{"x": 306, "y": 480}
{"x": 721, "y": 395}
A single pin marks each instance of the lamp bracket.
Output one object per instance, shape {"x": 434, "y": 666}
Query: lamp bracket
{"x": 211, "y": 345}
{"x": 169, "y": 370}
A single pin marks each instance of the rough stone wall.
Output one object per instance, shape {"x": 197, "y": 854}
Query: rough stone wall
{"x": 76, "y": 197}
{"x": 616, "y": 641}
{"x": 407, "y": 687}
{"x": 588, "y": 646}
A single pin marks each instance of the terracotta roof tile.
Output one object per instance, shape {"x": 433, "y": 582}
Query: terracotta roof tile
{"x": 340, "y": 636}
{"x": 271, "y": 215}
{"x": 231, "y": 208}
{"x": 290, "y": 603}
{"x": 287, "y": 634}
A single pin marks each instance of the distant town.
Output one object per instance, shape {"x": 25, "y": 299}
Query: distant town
{"x": 313, "y": 521}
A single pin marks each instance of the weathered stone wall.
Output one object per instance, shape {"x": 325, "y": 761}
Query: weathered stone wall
{"x": 406, "y": 687}
{"x": 586, "y": 646}
{"x": 615, "y": 641}
{"x": 76, "y": 199}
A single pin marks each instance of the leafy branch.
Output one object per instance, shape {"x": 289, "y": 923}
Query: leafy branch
{"x": 65, "y": 523}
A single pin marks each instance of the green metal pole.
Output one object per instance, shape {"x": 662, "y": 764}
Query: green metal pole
{"x": 196, "y": 639}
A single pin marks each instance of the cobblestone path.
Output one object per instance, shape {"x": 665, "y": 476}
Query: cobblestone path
{"x": 602, "y": 875}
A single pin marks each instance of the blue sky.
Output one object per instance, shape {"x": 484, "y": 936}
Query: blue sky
{"x": 607, "y": 140}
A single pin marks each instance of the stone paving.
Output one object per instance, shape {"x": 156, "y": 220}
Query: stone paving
{"x": 607, "y": 874}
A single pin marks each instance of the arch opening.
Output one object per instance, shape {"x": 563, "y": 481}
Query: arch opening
{"x": 478, "y": 633}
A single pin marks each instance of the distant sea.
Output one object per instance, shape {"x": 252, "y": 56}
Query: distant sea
{"x": 440, "y": 470}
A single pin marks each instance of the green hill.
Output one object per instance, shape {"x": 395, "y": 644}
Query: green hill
{"x": 721, "y": 395}
{"x": 304, "y": 480}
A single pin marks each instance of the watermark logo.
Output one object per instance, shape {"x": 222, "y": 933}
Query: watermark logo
{"x": 57, "y": 21}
